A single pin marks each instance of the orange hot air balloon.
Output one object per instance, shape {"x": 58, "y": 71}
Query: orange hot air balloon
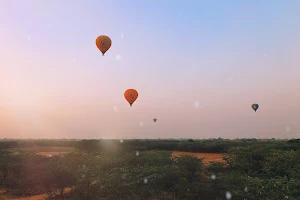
{"x": 103, "y": 43}
{"x": 131, "y": 95}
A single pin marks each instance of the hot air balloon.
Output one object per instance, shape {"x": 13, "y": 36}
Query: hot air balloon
{"x": 154, "y": 119}
{"x": 131, "y": 95}
{"x": 103, "y": 43}
{"x": 255, "y": 106}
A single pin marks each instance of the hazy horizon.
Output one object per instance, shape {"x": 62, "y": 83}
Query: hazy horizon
{"x": 197, "y": 66}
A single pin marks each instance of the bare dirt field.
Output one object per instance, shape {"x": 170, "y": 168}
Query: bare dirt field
{"x": 207, "y": 157}
{"x": 46, "y": 151}
{"x": 48, "y": 154}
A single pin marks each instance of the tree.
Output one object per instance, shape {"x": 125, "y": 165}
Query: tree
{"x": 189, "y": 165}
{"x": 59, "y": 174}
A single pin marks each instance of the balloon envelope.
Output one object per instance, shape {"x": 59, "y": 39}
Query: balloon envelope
{"x": 103, "y": 43}
{"x": 154, "y": 119}
{"x": 131, "y": 95}
{"x": 255, "y": 106}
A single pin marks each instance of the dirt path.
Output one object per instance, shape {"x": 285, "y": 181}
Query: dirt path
{"x": 36, "y": 197}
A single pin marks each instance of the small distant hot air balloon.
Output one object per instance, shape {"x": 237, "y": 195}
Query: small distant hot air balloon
{"x": 255, "y": 106}
{"x": 131, "y": 95}
{"x": 103, "y": 43}
{"x": 154, "y": 119}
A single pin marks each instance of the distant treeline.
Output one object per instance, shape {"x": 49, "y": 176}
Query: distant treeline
{"x": 204, "y": 146}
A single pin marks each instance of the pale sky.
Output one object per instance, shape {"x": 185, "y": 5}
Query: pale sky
{"x": 198, "y": 66}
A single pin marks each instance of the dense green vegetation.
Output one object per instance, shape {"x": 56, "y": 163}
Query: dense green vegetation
{"x": 144, "y": 169}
